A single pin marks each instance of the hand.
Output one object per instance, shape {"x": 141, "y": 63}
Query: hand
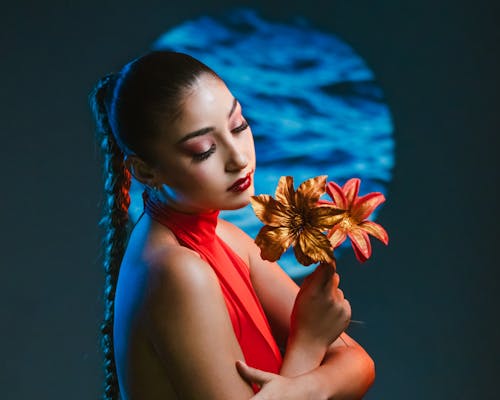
{"x": 273, "y": 386}
{"x": 320, "y": 313}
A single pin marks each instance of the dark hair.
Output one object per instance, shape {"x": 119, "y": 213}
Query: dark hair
{"x": 131, "y": 109}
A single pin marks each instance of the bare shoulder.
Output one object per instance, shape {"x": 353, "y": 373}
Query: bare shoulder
{"x": 177, "y": 262}
{"x": 238, "y": 240}
{"x": 176, "y": 274}
{"x": 189, "y": 327}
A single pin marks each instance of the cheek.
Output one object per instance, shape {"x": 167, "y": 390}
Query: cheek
{"x": 203, "y": 176}
{"x": 196, "y": 178}
{"x": 249, "y": 143}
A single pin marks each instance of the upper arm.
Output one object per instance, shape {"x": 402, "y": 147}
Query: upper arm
{"x": 274, "y": 288}
{"x": 190, "y": 329}
{"x": 277, "y": 293}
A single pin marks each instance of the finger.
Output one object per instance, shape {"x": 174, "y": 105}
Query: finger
{"x": 339, "y": 294}
{"x": 314, "y": 278}
{"x": 347, "y": 311}
{"x": 334, "y": 281}
{"x": 253, "y": 375}
{"x": 307, "y": 280}
{"x": 332, "y": 263}
{"x": 323, "y": 274}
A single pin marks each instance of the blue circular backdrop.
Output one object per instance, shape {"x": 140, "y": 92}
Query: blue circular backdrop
{"x": 312, "y": 103}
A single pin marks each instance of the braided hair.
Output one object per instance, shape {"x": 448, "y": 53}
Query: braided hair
{"x": 115, "y": 223}
{"x": 131, "y": 109}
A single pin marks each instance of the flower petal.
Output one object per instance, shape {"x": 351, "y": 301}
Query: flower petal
{"x": 273, "y": 242}
{"x": 360, "y": 244}
{"x": 284, "y": 191}
{"x": 364, "y": 206}
{"x": 324, "y": 217}
{"x": 337, "y": 195}
{"x": 360, "y": 257}
{"x": 270, "y": 211}
{"x": 309, "y": 191}
{"x": 337, "y": 236}
{"x": 322, "y": 202}
{"x": 351, "y": 189}
{"x": 312, "y": 246}
{"x": 375, "y": 230}
{"x": 301, "y": 256}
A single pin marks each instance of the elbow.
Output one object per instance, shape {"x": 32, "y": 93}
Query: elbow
{"x": 370, "y": 371}
{"x": 357, "y": 383}
{"x": 365, "y": 373}
{"x": 368, "y": 367}
{"x": 355, "y": 378}
{"x": 365, "y": 376}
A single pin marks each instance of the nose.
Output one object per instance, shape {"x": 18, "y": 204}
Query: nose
{"x": 236, "y": 160}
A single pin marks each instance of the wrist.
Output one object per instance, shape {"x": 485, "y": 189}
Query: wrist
{"x": 312, "y": 346}
{"x": 302, "y": 356}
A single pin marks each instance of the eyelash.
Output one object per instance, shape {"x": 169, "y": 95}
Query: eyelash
{"x": 241, "y": 128}
{"x": 205, "y": 154}
{"x": 210, "y": 151}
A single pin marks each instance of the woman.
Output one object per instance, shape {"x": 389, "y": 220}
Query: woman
{"x": 188, "y": 298}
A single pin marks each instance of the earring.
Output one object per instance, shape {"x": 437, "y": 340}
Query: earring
{"x": 160, "y": 192}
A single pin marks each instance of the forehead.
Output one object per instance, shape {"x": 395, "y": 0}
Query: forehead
{"x": 206, "y": 104}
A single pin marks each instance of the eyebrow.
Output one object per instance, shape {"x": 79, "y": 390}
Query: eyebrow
{"x": 233, "y": 107}
{"x": 208, "y": 129}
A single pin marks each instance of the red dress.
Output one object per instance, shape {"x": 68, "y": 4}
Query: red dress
{"x": 197, "y": 232}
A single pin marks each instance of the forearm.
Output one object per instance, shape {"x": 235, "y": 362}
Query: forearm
{"x": 346, "y": 373}
{"x": 301, "y": 358}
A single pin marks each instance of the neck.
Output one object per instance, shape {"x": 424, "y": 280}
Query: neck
{"x": 163, "y": 197}
{"x": 198, "y": 226}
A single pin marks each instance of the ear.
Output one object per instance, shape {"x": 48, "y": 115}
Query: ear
{"x": 141, "y": 170}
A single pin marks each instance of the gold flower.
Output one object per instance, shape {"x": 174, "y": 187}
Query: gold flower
{"x": 295, "y": 218}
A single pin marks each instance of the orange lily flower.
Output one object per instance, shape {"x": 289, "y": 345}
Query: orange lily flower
{"x": 354, "y": 222}
{"x": 295, "y": 218}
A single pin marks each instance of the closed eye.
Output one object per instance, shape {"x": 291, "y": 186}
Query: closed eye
{"x": 240, "y": 128}
{"x": 205, "y": 154}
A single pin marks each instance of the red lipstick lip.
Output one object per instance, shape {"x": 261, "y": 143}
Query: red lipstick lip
{"x": 241, "y": 184}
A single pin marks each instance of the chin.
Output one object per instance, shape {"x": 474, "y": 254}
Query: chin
{"x": 237, "y": 204}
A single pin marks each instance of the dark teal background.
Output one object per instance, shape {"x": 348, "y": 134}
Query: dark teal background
{"x": 429, "y": 300}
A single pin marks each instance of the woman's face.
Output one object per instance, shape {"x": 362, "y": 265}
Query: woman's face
{"x": 207, "y": 158}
